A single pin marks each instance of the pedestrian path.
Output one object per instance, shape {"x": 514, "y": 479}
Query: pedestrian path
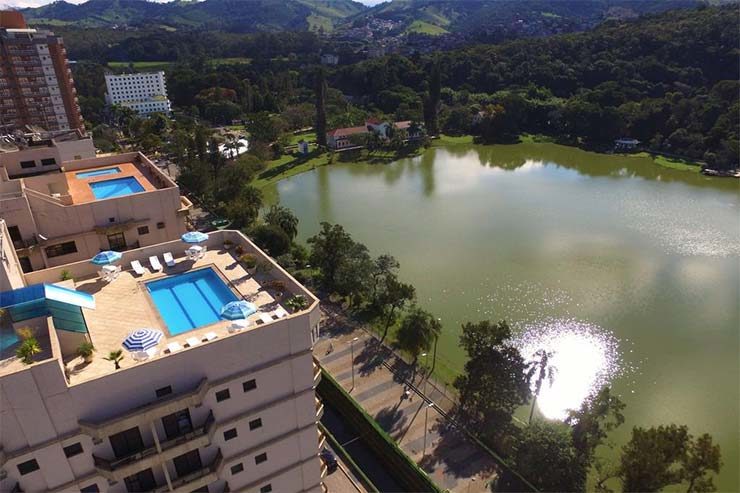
{"x": 394, "y": 399}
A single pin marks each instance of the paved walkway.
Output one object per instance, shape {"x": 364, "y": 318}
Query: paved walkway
{"x": 453, "y": 461}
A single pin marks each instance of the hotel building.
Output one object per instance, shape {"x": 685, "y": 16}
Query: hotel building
{"x": 144, "y": 93}
{"x": 36, "y": 86}
{"x": 218, "y": 410}
{"x": 68, "y": 210}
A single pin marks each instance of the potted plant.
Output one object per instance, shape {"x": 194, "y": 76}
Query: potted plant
{"x": 85, "y": 351}
{"x": 263, "y": 267}
{"x": 228, "y": 244}
{"x": 65, "y": 275}
{"x": 249, "y": 260}
{"x": 297, "y": 303}
{"x": 239, "y": 250}
{"x": 116, "y": 357}
{"x": 277, "y": 286}
{"x": 28, "y": 348}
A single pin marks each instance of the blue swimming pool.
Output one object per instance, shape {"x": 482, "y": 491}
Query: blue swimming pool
{"x": 98, "y": 172}
{"x": 116, "y": 187}
{"x": 190, "y": 300}
{"x": 8, "y": 338}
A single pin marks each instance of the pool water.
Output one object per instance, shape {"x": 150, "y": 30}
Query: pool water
{"x": 8, "y": 338}
{"x": 116, "y": 187}
{"x": 191, "y": 300}
{"x": 98, "y": 172}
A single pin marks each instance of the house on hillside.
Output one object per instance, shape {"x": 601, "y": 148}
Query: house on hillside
{"x": 341, "y": 138}
{"x": 302, "y": 147}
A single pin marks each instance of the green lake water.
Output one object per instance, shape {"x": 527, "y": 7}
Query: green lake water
{"x": 630, "y": 272}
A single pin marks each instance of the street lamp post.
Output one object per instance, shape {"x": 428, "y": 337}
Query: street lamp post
{"x": 352, "y": 361}
{"x": 426, "y": 429}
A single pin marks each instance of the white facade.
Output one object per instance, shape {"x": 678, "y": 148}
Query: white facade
{"x": 145, "y": 93}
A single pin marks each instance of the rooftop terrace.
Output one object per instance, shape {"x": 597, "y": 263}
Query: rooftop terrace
{"x": 125, "y": 305}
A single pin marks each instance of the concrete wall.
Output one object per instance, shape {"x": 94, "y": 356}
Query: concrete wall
{"x": 60, "y": 151}
{"x": 11, "y": 275}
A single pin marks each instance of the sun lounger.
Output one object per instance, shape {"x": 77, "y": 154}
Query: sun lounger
{"x": 265, "y": 318}
{"x": 169, "y": 259}
{"x": 140, "y": 356}
{"x": 192, "y": 341}
{"x": 210, "y": 336}
{"x": 280, "y": 312}
{"x": 152, "y": 352}
{"x": 136, "y": 265}
{"x": 154, "y": 262}
{"x": 238, "y": 325}
{"x": 174, "y": 347}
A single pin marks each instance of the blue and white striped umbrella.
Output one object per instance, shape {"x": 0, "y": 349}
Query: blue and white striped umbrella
{"x": 106, "y": 257}
{"x": 194, "y": 237}
{"x": 236, "y": 310}
{"x": 142, "y": 339}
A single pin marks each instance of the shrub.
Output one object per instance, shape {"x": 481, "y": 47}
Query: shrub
{"x": 239, "y": 250}
{"x": 28, "y": 348}
{"x": 85, "y": 350}
{"x": 297, "y": 303}
{"x": 65, "y": 275}
{"x": 272, "y": 239}
{"x": 249, "y": 260}
{"x": 277, "y": 286}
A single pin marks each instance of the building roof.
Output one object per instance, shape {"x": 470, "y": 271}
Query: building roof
{"x": 343, "y": 132}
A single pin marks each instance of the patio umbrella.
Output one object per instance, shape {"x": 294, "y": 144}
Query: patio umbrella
{"x": 107, "y": 257}
{"x": 236, "y": 310}
{"x": 142, "y": 339}
{"x": 194, "y": 237}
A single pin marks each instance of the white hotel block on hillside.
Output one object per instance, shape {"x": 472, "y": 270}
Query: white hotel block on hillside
{"x": 144, "y": 93}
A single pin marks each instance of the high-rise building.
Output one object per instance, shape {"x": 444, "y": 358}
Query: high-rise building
{"x": 144, "y": 93}
{"x": 36, "y": 86}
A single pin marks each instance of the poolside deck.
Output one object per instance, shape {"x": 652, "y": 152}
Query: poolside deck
{"x": 124, "y": 305}
{"x": 79, "y": 188}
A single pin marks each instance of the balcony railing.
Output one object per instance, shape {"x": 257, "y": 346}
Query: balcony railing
{"x": 113, "y": 465}
{"x": 187, "y": 482}
{"x": 202, "y": 430}
{"x": 21, "y": 244}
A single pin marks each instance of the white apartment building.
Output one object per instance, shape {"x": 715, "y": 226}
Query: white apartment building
{"x": 69, "y": 210}
{"x": 145, "y": 93}
{"x": 225, "y": 411}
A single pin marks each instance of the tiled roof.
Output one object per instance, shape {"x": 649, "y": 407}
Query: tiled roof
{"x": 342, "y": 132}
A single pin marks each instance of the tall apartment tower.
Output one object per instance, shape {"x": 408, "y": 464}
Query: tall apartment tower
{"x": 144, "y": 93}
{"x": 36, "y": 86}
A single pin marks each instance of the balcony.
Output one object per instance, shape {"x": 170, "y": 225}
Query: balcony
{"x": 125, "y": 466}
{"x": 196, "y": 479}
{"x": 23, "y": 244}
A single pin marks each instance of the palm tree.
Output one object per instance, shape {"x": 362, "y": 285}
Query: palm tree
{"x": 283, "y": 218}
{"x": 116, "y": 357}
{"x": 541, "y": 366}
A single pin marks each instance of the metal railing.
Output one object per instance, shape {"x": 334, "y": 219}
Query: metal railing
{"x": 195, "y": 475}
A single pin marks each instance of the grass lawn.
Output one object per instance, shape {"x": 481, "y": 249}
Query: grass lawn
{"x": 307, "y": 136}
{"x": 674, "y": 163}
{"x": 423, "y": 27}
{"x": 141, "y": 65}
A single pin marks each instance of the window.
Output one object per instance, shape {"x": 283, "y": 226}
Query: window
{"x": 160, "y": 225}
{"x": 259, "y": 459}
{"x": 142, "y": 481}
{"x": 249, "y": 385}
{"x": 28, "y": 164}
{"x": 222, "y": 395}
{"x": 117, "y": 241}
{"x": 143, "y": 230}
{"x": 163, "y": 391}
{"x": 237, "y": 468}
{"x": 26, "y": 266}
{"x": 229, "y": 434}
{"x": 126, "y": 442}
{"x": 72, "y": 450}
{"x": 61, "y": 249}
{"x": 255, "y": 423}
{"x": 48, "y": 162}
{"x": 28, "y": 466}
{"x": 177, "y": 424}
{"x": 266, "y": 488}
{"x": 93, "y": 488}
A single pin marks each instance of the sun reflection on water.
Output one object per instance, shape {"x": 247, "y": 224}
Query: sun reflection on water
{"x": 585, "y": 357}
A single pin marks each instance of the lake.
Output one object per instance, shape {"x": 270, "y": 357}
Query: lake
{"x": 629, "y": 272}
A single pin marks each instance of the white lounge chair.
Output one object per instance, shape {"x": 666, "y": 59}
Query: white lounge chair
{"x": 140, "y": 356}
{"x": 154, "y": 262}
{"x": 151, "y": 352}
{"x": 174, "y": 347}
{"x": 266, "y": 318}
{"x": 169, "y": 259}
{"x": 192, "y": 341}
{"x": 280, "y": 312}
{"x": 210, "y": 336}
{"x": 239, "y": 324}
{"x": 138, "y": 269}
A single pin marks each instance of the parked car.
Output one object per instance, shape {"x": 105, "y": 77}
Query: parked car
{"x": 329, "y": 459}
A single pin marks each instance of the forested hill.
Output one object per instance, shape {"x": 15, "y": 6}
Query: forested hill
{"x": 670, "y": 80}
{"x": 229, "y": 15}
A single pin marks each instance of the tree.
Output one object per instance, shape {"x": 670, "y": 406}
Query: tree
{"x": 431, "y": 103}
{"x": 418, "y": 330}
{"x": 272, "y": 239}
{"x": 395, "y": 296}
{"x": 283, "y": 218}
{"x": 494, "y": 382}
{"x": 596, "y": 417}
{"x": 353, "y": 273}
{"x": 544, "y": 455}
{"x": 244, "y": 208}
{"x": 384, "y": 268}
{"x": 116, "y": 357}
{"x": 320, "y": 90}
{"x": 328, "y": 248}
{"x": 541, "y": 367}
{"x": 667, "y": 455}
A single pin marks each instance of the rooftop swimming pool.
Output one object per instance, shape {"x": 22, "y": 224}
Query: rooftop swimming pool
{"x": 116, "y": 187}
{"x": 98, "y": 172}
{"x": 191, "y": 300}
